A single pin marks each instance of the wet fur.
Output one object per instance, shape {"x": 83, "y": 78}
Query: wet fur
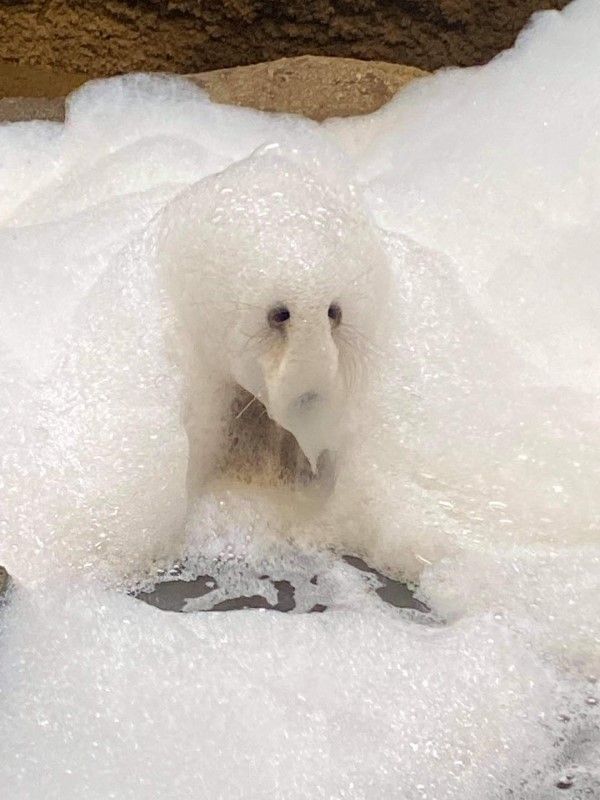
{"x": 260, "y": 452}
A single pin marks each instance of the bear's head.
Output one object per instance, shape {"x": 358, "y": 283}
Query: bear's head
{"x": 280, "y": 284}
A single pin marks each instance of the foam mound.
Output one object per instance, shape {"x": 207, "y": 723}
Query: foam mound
{"x": 473, "y": 469}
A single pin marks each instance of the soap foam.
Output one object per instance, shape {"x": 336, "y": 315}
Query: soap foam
{"x": 474, "y": 469}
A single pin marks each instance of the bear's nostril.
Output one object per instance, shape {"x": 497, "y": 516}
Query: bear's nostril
{"x": 307, "y": 399}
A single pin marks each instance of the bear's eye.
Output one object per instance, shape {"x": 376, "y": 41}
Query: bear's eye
{"x": 335, "y": 314}
{"x": 278, "y": 316}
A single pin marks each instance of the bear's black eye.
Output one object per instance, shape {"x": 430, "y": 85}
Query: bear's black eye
{"x": 278, "y": 316}
{"x": 335, "y": 314}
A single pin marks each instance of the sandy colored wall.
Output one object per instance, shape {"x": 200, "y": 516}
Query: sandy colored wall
{"x": 317, "y": 87}
{"x": 101, "y": 37}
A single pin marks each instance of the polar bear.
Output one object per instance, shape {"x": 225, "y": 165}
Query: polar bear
{"x": 277, "y": 281}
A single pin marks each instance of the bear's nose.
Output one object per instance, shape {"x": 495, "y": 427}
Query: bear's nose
{"x": 307, "y": 400}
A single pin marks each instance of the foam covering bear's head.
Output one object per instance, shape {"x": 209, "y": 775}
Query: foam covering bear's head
{"x": 279, "y": 282}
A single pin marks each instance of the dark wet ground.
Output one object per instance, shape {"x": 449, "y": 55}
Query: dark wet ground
{"x": 173, "y": 595}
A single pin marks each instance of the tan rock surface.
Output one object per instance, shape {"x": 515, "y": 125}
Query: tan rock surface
{"x": 102, "y": 37}
{"x": 317, "y": 87}
{"x": 21, "y": 80}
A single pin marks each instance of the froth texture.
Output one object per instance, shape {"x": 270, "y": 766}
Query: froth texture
{"x": 279, "y": 233}
{"x": 353, "y": 702}
{"x": 144, "y": 245}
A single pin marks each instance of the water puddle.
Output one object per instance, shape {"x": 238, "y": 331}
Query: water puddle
{"x": 179, "y": 594}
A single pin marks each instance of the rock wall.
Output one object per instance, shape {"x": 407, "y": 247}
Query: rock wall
{"x": 315, "y": 86}
{"x": 102, "y": 37}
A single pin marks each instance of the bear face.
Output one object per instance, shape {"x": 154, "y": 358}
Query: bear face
{"x": 277, "y": 277}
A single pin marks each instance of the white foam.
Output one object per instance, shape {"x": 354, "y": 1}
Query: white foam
{"x": 473, "y": 467}
{"x": 497, "y": 168}
{"x": 357, "y": 702}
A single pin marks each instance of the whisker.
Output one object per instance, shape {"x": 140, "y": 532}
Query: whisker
{"x": 246, "y": 407}
{"x": 363, "y": 337}
{"x": 353, "y": 363}
{"x": 256, "y": 338}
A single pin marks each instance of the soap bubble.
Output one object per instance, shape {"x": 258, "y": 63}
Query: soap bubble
{"x": 455, "y": 232}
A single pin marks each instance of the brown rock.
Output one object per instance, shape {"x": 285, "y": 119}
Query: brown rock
{"x": 315, "y": 87}
{"x": 103, "y": 37}
{"x": 21, "y": 109}
{"x": 20, "y": 80}
{"x": 309, "y": 85}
